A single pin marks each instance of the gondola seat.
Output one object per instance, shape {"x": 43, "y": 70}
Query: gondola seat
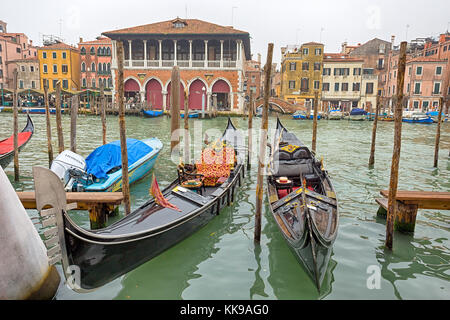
{"x": 216, "y": 163}
{"x": 292, "y": 168}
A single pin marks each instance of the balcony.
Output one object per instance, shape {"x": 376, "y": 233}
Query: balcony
{"x": 185, "y": 64}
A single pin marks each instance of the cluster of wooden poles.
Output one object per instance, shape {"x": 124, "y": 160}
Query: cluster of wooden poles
{"x": 175, "y": 136}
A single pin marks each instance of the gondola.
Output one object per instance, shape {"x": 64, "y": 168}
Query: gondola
{"x": 193, "y": 114}
{"x": 105, "y": 254}
{"x": 152, "y": 113}
{"x": 7, "y": 145}
{"x": 296, "y": 178}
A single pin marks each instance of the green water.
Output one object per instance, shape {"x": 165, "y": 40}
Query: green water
{"x": 221, "y": 261}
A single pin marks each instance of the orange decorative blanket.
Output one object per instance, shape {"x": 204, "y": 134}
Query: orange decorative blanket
{"x": 215, "y": 164}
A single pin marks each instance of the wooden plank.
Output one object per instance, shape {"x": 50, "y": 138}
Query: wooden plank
{"x": 83, "y": 199}
{"x": 404, "y": 195}
{"x": 383, "y": 202}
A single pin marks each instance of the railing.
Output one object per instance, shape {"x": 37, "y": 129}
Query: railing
{"x": 213, "y": 64}
{"x": 198, "y": 64}
{"x": 152, "y": 63}
{"x": 138, "y": 63}
{"x": 183, "y": 63}
{"x": 168, "y": 63}
{"x": 229, "y": 64}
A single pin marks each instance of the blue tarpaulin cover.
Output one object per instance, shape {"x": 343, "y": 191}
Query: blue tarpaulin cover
{"x": 108, "y": 156}
{"x": 357, "y": 112}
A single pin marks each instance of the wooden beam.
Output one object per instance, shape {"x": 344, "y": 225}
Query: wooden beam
{"x": 175, "y": 109}
{"x": 47, "y": 120}
{"x": 74, "y": 103}
{"x": 438, "y": 133}
{"x": 15, "y": 127}
{"x": 374, "y": 133}
{"x": 314, "y": 133}
{"x": 58, "y": 118}
{"x": 250, "y": 131}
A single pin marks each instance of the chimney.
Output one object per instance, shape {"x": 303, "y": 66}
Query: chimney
{"x": 392, "y": 42}
{"x": 81, "y": 39}
{"x": 259, "y": 58}
{"x": 344, "y": 47}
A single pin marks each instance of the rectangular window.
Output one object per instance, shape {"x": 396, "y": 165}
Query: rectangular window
{"x": 435, "y": 104}
{"x": 318, "y": 51}
{"x": 336, "y": 87}
{"x": 54, "y": 55}
{"x": 31, "y": 68}
{"x": 337, "y": 71}
{"x": 305, "y": 66}
{"x": 408, "y": 87}
{"x": 369, "y": 87}
{"x": 325, "y": 86}
{"x": 356, "y": 86}
{"x": 18, "y": 50}
{"x": 65, "y": 84}
{"x": 291, "y": 84}
{"x": 418, "y": 71}
{"x": 1, "y": 48}
{"x": 345, "y": 86}
{"x": 326, "y": 71}
{"x": 316, "y": 84}
{"x": 438, "y": 70}
{"x": 425, "y": 105}
{"x": 33, "y": 85}
{"x": 417, "y": 88}
{"x": 20, "y": 84}
{"x": 409, "y": 71}
{"x": 64, "y": 68}
{"x": 345, "y": 71}
{"x": 395, "y": 74}
{"x": 316, "y": 66}
{"x": 54, "y": 83}
{"x": 437, "y": 88}
{"x": 292, "y": 66}
{"x": 64, "y": 55}
{"x": 416, "y": 104}
{"x": 393, "y": 89}
{"x": 306, "y": 51}
{"x": 45, "y": 68}
{"x": 44, "y": 55}
{"x": 55, "y": 68}
{"x": 1, "y": 62}
{"x": 22, "y": 68}
{"x": 389, "y": 90}
{"x": 356, "y": 71}
{"x": 304, "y": 84}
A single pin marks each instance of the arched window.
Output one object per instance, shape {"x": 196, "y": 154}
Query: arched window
{"x": 109, "y": 83}
{"x": 93, "y": 67}
{"x": 92, "y": 51}
{"x": 104, "y": 67}
{"x": 83, "y": 50}
{"x": 100, "y": 67}
{"x": 99, "y": 51}
{"x": 93, "y": 83}
{"x": 83, "y": 67}
{"x": 84, "y": 82}
{"x": 108, "y": 51}
{"x": 109, "y": 67}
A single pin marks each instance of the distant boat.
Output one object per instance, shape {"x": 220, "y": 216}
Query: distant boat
{"x": 38, "y": 110}
{"x": 7, "y": 145}
{"x": 302, "y": 115}
{"x": 416, "y": 117}
{"x": 152, "y": 113}
{"x": 102, "y": 169}
{"x": 335, "y": 115}
{"x": 191, "y": 114}
{"x": 435, "y": 114}
{"x": 357, "y": 114}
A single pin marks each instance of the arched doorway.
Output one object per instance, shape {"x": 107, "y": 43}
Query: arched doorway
{"x": 153, "y": 94}
{"x": 197, "y": 95}
{"x": 131, "y": 89}
{"x": 221, "y": 90}
{"x": 168, "y": 98}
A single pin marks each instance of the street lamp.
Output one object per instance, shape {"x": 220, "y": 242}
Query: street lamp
{"x": 203, "y": 101}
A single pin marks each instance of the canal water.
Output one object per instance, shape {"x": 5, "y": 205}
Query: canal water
{"x": 220, "y": 261}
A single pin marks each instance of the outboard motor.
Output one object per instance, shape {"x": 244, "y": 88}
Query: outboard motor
{"x": 69, "y": 166}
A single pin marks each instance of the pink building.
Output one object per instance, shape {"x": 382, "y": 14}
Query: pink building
{"x": 95, "y": 63}
{"x": 13, "y": 46}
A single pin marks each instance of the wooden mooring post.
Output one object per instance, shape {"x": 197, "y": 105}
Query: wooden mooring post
{"x": 175, "y": 109}
{"x": 391, "y": 212}
{"x": 263, "y": 145}
{"x": 374, "y": 133}
{"x": 122, "y": 128}
{"x": 58, "y": 117}
{"x": 74, "y": 103}
{"x": 49, "y": 129}
{"x": 186, "y": 127}
{"x": 314, "y": 133}
{"x": 15, "y": 127}
{"x": 438, "y": 132}
{"x": 250, "y": 131}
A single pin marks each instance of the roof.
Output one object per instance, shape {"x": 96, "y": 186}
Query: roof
{"x": 339, "y": 57}
{"x": 192, "y": 26}
{"x": 100, "y": 40}
{"x": 58, "y": 46}
{"x": 29, "y": 59}
{"x": 312, "y": 44}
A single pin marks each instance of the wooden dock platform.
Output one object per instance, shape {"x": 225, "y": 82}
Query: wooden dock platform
{"x": 408, "y": 202}
{"x": 99, "y": 204}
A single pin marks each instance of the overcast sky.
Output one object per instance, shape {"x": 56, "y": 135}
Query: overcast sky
{"x": 280, "y": 21}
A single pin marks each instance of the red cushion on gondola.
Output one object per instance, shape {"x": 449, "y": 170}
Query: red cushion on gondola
{"x": 284, "y": 192}
{"x": 7, "y": 145}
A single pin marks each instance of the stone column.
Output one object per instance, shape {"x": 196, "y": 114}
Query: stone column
{"x": 160, "y": 53}
{"x": 142, "y": 96}
{"x": 221, "y": 53}
{"x": 208, "y": 102}
{"x": 145, "y": 53}
{"x": 190, "y": 53}
{"x": 175, "y": 52}
{"x": 164, "y": 100}
{"x": 206, "y": 53}
{"x": 130, "y": 57}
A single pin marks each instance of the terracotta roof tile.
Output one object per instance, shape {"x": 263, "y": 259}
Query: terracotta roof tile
{"x": 192, "y": 26}
{"x": 59, "y": 45}
{"x": 100, "y": 40}
{"x": 426, "y": 59}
